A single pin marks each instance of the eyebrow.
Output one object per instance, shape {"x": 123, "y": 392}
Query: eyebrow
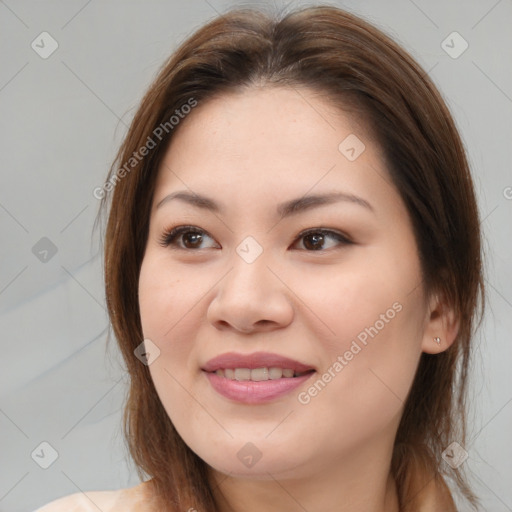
{"x": 286, "y": 209}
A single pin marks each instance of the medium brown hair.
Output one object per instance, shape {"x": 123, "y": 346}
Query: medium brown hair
{"x": 351, "y": 63}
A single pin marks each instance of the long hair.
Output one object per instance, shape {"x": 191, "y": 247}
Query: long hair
{"x": 354, "y": 65}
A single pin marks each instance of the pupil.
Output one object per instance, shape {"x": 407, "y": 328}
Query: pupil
{"x": 317, "y": 241}
{"x": 190, "y": 236}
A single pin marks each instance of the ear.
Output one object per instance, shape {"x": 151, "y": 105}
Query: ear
{"x": 440, "y": 322}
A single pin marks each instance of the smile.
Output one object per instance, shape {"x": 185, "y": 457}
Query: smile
{"x": 255, "y": 378}
{"x": 258, "y": 374}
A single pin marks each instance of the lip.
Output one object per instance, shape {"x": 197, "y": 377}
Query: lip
{"x": 254, "y": 360}
{"x": 253, "y": 392}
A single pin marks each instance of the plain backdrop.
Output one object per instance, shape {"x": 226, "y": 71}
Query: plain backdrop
{"x": 63, "y": 116}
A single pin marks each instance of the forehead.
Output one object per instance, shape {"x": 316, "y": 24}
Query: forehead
{"x": 275, "y": 141}
{"x": 277, "y": 119}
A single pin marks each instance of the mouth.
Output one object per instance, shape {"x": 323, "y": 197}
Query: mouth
{"x": 255, "y": 378}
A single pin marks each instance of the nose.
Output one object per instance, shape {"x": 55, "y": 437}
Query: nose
{"x": 251, "y": 298}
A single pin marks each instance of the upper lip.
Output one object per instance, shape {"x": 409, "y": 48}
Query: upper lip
{"x": 254, "y": 360}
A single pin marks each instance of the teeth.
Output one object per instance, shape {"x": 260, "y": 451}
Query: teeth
{"x": 242, "y": 374}
{"x": 257, "y": 374}
{"x": 275, "y": 373}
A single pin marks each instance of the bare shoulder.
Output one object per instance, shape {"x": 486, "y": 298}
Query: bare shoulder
{"x": 132, "y": 499}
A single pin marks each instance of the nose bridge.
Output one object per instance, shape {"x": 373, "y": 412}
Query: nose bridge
{"x": 250, "y": 293}
{"x": 250, "y": 275}
{"x": 250, "y": 250}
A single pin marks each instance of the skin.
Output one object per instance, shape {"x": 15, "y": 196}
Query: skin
{"x": 250, "y": 151}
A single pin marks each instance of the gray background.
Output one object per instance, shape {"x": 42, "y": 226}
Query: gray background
{"x": 62, "y": 120}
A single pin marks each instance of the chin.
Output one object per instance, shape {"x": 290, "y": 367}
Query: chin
{"x": 252, "y": 463}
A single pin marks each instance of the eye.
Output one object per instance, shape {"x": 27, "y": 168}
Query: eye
{"x": 191, "y": 237}
{"x": 315, "y": 239}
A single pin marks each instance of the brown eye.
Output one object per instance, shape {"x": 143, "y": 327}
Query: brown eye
{"x": 315, "y": 240}
{"x": 191, "y": 239}
{"x": 189, "y": 236}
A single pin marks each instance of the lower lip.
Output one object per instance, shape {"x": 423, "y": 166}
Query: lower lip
{"x": 252, "y": 392}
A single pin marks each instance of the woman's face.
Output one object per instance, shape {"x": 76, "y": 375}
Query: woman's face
{"x": 272, "y": 281}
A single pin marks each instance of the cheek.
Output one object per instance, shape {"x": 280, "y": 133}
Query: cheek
{"x": 375, "y": 297}
{"x": 374, "y": 315}
{"x": 169, "y": 305}
{"x": 166, "y": 298}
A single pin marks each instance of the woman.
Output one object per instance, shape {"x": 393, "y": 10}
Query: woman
{"x": 293, "y": 274}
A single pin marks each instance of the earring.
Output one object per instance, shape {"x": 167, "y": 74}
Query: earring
{"x": 437, "y": 339}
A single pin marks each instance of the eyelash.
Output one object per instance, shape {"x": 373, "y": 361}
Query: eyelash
{"x": 169, "y": 236}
